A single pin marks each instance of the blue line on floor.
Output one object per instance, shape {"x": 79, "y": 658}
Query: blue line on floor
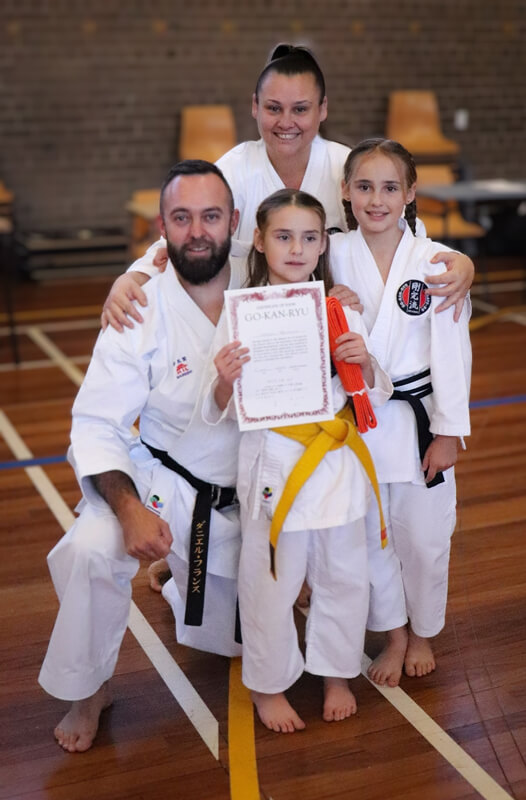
{"x": 32, "y": 462}
{"x": 39, "y": 462}
{"x": 498, "y": 401}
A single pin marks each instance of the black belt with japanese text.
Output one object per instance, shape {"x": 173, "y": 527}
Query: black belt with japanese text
{"x": 413, "y": 395}
{"x": 209, "y": 496}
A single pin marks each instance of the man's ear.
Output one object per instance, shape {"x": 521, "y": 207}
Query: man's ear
{"x": 160, "y": 225}
{"x": 254, "y": 106}
{"x": 234, "y": 221}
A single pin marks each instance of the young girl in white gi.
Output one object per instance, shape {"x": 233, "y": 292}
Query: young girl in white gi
{"x": 428, "y": 358}
{"x": 323, "y": 536}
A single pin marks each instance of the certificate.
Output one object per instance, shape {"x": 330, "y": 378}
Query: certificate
{"x": 288, "y": 378}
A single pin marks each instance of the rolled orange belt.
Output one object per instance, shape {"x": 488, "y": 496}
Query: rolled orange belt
{"x": 350, "y": 374}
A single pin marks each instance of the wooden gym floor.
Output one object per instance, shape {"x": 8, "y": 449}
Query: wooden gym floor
{"x": 458, "y": 733}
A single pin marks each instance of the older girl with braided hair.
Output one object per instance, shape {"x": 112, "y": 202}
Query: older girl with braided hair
{"x": 414, "y": 447}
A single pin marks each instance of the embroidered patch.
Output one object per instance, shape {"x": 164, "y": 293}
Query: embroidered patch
{"x": 155, "y": 504}
{"x": 412, "y": 299}
{"x": 267, "y": 493}
{"x": 181, "y": 367}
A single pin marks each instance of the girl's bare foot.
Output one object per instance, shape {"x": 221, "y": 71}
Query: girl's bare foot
{"x": 419, "y": 658}
{"x": 158, "y": 573}
{"x": 339, "y": 702}
{"x": 77, "y": 730}
{"x": 276, "y": 713}
{"x": 386, "y": 669}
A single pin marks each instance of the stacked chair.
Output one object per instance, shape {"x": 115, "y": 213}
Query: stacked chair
{"x": 206, "y": 132}
{"x": 413, "y": 119}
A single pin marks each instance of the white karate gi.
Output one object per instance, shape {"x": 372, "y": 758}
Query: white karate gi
{"x": 420, "y": 520}
{"x": 252, "y": 178}
{"x": 322, "y": 539}
{"x": 158, "y": 370}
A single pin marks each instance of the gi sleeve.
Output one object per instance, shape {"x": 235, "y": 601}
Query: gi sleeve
{"x": 114, "y": 391}
{"x": 145, "y": 263}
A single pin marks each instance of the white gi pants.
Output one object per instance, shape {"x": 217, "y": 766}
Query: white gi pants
{"x": 409, "y": 578}
{"x": 334, "y": 561}
{"x": 92, "y": 575}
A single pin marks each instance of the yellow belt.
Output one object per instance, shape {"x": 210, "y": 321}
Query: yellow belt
{"x": 318, "y": 438}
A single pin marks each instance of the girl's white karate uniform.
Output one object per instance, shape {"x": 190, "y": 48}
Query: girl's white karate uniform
{"x": 323, "y": 540}
{"x": 159, "y": 370}
{"x": 252, "y": 178}
{"x": 420, "y": 520}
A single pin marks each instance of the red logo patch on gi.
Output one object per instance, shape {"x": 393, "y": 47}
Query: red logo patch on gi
{"x": 181, "y": 367}
{"x": 412, "y": 299}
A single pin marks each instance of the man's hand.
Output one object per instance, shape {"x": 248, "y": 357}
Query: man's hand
{"x": 119, "y": 307}
{"x": 146, "y": 535}
{"x": 346, "y": 297}
{"x": 440, "y": 455}
{"x": 457, "y": 280}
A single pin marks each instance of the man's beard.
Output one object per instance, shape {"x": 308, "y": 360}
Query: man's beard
{"x": 199, "y": 270}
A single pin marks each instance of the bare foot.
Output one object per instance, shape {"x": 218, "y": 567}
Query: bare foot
{"x": 159, "y": 573}
{"x": 419, "y": 658}
{"x": 76, "y": 732}
{"x": 386, "y": 669}
{"x": 338, "y": 702}
{"x": 276, "y": 713}
{"x": 303, "y": 599}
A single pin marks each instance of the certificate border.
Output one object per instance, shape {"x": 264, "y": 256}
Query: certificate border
{"x": 235, "y": 301}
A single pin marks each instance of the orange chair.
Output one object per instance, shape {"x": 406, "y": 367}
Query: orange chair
{"x": 443, "y": 220}
{"x": 144, "y": 209}
{"x": 413, "y": 119}
{"x": 206, "y": 132}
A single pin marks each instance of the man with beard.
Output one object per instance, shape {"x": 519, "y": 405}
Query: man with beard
{"x": 161, "y": 494}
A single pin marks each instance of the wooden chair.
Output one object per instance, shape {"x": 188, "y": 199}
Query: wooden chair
{"x": 206, "y": 132}
{"x": 413, "y": 119}
{"x": 144, "y": 209}
{"x": 443, "y": 220}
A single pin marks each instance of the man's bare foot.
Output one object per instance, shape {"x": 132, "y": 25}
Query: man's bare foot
{"x": 386, "y": 669}
{"x": 338, "y": 701}
{"x": 419, "y": 658}
{"x": 276, "y": 713}
{"x": 303, "y": 599}
{"x": 77, "y": 730}
{"x": 158, "y": 573}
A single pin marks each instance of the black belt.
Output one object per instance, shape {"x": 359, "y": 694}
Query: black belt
{"x": 413, "y": 397}
{"x": 208, "y": 496}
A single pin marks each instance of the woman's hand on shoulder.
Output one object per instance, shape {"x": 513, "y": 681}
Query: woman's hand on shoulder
{"x": 456, "y": 280}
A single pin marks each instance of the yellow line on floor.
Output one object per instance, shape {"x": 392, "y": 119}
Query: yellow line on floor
{"x": 241, "y": 738}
